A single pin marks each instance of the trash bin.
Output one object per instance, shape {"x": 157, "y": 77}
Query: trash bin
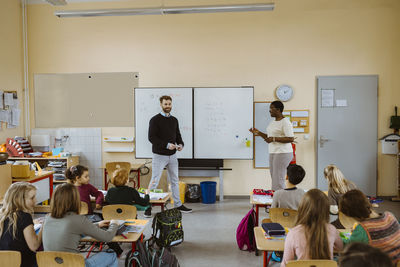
{"x": 208, "y": 192}
{"x": 182, "y": 191}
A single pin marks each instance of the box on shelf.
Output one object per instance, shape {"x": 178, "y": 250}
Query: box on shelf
{"x": 21, "y": 171}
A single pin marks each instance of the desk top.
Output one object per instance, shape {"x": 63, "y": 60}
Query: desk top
{"x": 252, "y": 202}
{"x": 39, "y": 158}
{"x": 161, "y": 201}
{"x": 134, "y": 167}
{"x": 37, "y": 176}
{"x": 131, "y": 237}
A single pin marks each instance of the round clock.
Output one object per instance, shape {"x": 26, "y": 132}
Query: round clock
{"x": 284, "y": 92}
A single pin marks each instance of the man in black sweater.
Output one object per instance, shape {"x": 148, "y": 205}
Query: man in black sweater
{"x": 166, "y": 139}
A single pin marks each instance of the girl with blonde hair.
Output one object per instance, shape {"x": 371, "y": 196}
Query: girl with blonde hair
{"x": 338, "y": 184}
{"x": 313, "y": 237}
{"x": 16, "y": 223}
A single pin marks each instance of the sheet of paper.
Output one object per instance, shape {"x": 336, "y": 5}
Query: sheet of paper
{"x": 341, "y": 102}
{"x": 8, "y": 99}
{"x": 300, "y": 113}
{"x": 1, "y": 100}
{"x": 264, "y": 199}
{"x": 3, "y": 115}
{"x": 327, "y": 97}
{"x": 155, "y": 196}
{"x": 15, "y": 115}
{"x": 298, "y": 130}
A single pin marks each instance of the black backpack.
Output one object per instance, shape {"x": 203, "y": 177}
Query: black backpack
{"x": 167, "y": 228}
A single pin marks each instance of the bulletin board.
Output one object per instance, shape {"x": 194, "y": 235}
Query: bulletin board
{"x": 84, "y": 99}
{"x": 10, "y": 112}
{"x": 300, "y": 120}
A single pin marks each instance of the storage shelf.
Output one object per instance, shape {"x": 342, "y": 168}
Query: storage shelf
{"x": 118, "y": 139}
{"x": 118, "y": 149}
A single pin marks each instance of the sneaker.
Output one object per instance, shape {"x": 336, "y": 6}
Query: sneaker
{"x": 184, "y": 209}
{"x": 147, "y": 213}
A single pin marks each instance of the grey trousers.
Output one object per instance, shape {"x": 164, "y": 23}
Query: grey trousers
{"x": 278, "y": 163}
{"x": 158, "y": 164}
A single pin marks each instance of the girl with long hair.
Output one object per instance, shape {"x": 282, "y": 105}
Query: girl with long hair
{"x": 338, "y": 184}
{"x": 16, "y": 223}
{"x": 312, "y": 237}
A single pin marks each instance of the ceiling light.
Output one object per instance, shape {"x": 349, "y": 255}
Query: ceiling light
{"x": 163, "y": 10}
{"x": 57, "y": 2}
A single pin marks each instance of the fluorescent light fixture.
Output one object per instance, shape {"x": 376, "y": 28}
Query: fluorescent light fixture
{"x": 57, "y": 2}
{"x": 163, "y": 10}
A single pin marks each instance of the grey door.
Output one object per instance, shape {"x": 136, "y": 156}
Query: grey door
{"x": 347, "y": 129}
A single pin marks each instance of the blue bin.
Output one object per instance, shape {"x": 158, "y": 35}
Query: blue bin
{"x": 208, "y": 192}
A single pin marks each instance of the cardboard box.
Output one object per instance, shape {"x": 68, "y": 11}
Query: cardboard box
{"x": 5, "y": 179}
{"x": 21, "y": 171}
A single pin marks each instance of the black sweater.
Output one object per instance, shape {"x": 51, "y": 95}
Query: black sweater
{"x": 125, "y": 195}
{"x": 164, "y": 130}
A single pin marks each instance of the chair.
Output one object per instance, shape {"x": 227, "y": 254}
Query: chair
{"x": 286, "y": 217}
{"x": 10, "y": 258}
{"x": 84, "y": 208}
{"x": 312, "y": 263}
{"x": 119, "y": 212}
{"x": 55, "y": 258}
{"x": 112, "y": 166}
{"x": 266, "y": 220}
{"x": 346, "y": 221}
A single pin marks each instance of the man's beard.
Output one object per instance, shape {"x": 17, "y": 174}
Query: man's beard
{"x": 166, "y": 110}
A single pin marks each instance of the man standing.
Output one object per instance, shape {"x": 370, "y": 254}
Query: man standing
{"x": 166, "y": 138}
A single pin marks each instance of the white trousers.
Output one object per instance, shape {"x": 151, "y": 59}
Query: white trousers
{"x": 278, "y": 163}
{"x": 158, "y": 165}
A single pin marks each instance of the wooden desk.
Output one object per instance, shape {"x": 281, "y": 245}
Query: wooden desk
{"x": 161, "y": 202}
{"x": 257, "y": 205}
{"x": 130, "y": 237}
{"x": 43, "y": 182}
{"x": 134, "y": 168}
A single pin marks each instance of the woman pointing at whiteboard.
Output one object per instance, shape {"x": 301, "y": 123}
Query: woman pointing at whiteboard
{"x": 279, "y": 136}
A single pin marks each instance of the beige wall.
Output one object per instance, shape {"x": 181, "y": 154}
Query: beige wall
{"x": 293, "y": 44}
{"x": 11, "y": 59}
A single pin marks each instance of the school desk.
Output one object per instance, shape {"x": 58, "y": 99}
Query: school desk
{"x": 268, "y": 245}
{"x": 44, "y": 183}
{"x": 161, "y": 202}
{"x": 257, "y": 205}
{"x": 127, "y": 238}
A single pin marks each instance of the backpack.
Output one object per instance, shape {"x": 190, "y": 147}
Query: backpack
{"x": 147, "y": 255}
{"x": 167, "y": 228}
{"x": 193, "y": 193}
{"x": 245, "y": 232}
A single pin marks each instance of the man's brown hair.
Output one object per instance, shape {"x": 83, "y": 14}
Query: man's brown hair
{"x": 165, "y": 97}
{"x": 120, "y": 177}
{"x": 65, "y": 199}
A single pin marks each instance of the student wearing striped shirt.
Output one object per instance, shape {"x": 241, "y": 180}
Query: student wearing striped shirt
{"x": 378, "y": 230}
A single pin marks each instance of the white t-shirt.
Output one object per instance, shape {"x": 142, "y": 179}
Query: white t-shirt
{"x": 282, "y": 128}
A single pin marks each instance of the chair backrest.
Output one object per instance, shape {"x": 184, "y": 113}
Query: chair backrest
{"x": 312, "y": 263}
{"x": 112, "y": 166}
{"x": 346, "y": 221}
{"x": 62, "y": 259}
{"x": 266, "y": 220}
{"x": 119, "y": 212}
{"x": 84, "y": 208}
{"x": 286, "y": 217}
{"x": 10, "y": 258}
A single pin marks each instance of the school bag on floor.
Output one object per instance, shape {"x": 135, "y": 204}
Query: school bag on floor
{"x": 167, "y": 228}
{"x": 245, "y": 232}
{"x": 147, "y": 254}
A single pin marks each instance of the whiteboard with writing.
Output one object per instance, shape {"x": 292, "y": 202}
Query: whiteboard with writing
{"x": 147, "y": 104}
{"x": 222, "y": 119}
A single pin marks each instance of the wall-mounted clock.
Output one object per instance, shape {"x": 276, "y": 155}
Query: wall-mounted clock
{"x": 284, "y": 92}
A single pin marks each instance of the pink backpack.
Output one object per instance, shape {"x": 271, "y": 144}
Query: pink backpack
{"x": 245, "y": 232}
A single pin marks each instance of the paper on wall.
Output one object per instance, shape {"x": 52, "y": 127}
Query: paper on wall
{"x": 15, "y": 114}
{"x": 327, "y": 96}
{"x": 1, "y": 100}
{"x": 8, "y": 99}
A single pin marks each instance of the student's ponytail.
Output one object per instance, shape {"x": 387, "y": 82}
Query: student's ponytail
{"x": 74, "y": 172}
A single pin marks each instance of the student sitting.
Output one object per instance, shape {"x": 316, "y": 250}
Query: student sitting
{"x": 360, "y": 254}
{"x": 64, "y": 227}
{"x": 79, "y": 176}
{"x": 16, "y": 224}
{"x": 312, "y": 237}
{"x": 338, "y": 185}
{"x": 123, "y": 194}
{"x": 291, "y": 196}
{"x": 379, "y": 230}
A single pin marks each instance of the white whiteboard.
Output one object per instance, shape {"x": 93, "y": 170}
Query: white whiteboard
{"x": 222, "y": 119}
{"x": 147, "y": 104}
{"x": 261, "y": 120}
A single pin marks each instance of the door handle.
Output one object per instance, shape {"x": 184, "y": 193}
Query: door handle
{"x": 323, "y": 140}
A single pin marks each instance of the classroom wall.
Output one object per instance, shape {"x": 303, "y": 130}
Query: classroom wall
{"x": 293, "y": 44}
{"x": 11, "y": 59}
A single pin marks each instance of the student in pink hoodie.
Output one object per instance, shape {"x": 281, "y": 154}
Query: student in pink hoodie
{"x": 313, "y": 237}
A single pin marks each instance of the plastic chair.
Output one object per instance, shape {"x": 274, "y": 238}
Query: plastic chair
{"x": 112, "y": 166}
{"x": 312, "y": 263}
{"x": 119, "y": 212}
{"x": 10, "y": 258}
{"x": 84, "y": 208}
{"x": 286, "y": 217}
{"x": 56, "y": 258}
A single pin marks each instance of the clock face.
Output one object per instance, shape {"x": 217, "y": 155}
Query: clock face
{"x": 284, "y": 92}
